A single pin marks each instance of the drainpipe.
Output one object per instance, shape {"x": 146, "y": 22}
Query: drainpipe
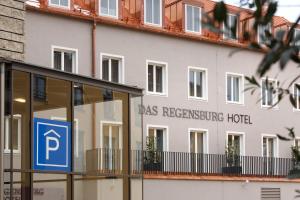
{"x": 94, "y": 129}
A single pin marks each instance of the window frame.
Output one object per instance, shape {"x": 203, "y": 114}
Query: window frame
{"x": 165, "y": 134}
{"x": 205, "y": 139}
{"x": 275, "y": 98}
{"x": 237, "y": 28}
{"x": 276, "y": 144}
{"x": 165, "y": 78}
{"x": 121, "y": 66}
{"x": 258, "y": 31}
{"x": 205, "y": 93}
{"x": 161, "y": 16}
{"x": 60, "y": 6}
{"x": 297, "y": 109}
{"x": 6, "y": 143}
{"x": 65, "y": 49}
{"x": 108, "y": 15}
{"x": 242, "y": 136}
{"x": 241, "y": 86}
{"x": 185, "y": 19}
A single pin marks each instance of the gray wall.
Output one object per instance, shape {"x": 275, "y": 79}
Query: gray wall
{"x": 137, "y": 47}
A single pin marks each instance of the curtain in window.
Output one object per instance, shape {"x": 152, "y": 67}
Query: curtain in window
{"x": 199, "y": 86}
{"x": 229, "y": 92}
{"x": 189, "y": 18}
{"x": 112, "y": 7}
{"x": 236, "y": 89}
{"x": 191, "y": 74}
{"x": 149, "y": 11}
{"x": 57, "y": 60}
{"x": 196, "y": 19}
{"x": 68, "y": 62}
{"x": 159, "y": 79}
{"x": 105, "y": 70}
{"x": 115, "y": 70}
{"x": 104, "y": 7}
{"x": 156, "y": 11}
{"x": 150, "y": 78}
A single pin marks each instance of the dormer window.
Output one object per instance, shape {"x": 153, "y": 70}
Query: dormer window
{"x": 60, "y": 3}
{"x": 261, "y": 33}
{"x": 192, "y": 19}
{"x": 232, "y": 24}
{"x": 109, "y": 8}
{"x": 153, "y": 12}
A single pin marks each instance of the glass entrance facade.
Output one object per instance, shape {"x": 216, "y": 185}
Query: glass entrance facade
{"x": 106, "y": 136}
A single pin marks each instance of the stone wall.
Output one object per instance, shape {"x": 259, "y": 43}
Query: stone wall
{"x": 12, "y": 16}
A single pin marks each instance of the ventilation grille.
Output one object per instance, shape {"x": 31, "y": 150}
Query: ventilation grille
{"x": 270, "y": 193}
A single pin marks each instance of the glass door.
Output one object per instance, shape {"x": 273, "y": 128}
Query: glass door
{"x": 269, "y": 154}
{"x": 196, "y": 151}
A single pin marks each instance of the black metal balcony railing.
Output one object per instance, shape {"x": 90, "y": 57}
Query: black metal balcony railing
{"x": 109, "y": 161}
{"x": 215, "y": 164}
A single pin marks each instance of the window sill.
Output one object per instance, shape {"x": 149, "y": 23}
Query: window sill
{"x": 109, "y": 16}
{"x": 152, "y": 25}
{"x": 269, "y": 107}
{"x": 235, "y": 103}
{"x": 197, "y": 99}
{"x": 156, "y": 94}
{"x": 59, "y": 6}
{"x": 296, "y": 110}
{"x": 192, "y": 32}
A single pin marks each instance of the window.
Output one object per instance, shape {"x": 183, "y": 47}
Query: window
{"x": 159, "y": 136}
{"x": 235, "y": 88}
{"x": 112, "y": 68}
{"x": 261, "y": 31}
{"x": 297, "y": 96}
{"x": 297, "y": 34}
{"x": 16, "y": 134}
{"x": 64, "y": 59}
{"x": 109, "y": 8}
{"x": 156, "y": 78}
{"x": 269, "y": 92}
{"x": 153, "y": 12}
{"x": 192, "y": 19}
{"x": 235, "y": 141}
{"x": 232, "y": 24}
{"x": 39, "y": 91}
{"x": 269, "y": 146}
{"x": 198, "y": 83}
{"x": 60, "y": 3}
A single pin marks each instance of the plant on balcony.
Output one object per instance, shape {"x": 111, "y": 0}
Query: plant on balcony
{"x": 232, "y": 160}
{"x": 295, "y": 171}
{"x": 152, "y": 157}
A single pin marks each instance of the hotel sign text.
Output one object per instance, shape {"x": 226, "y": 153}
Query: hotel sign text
{"x": 173, "y": 112}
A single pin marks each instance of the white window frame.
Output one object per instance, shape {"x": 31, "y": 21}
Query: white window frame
{"x": 242, "y": 140}
{"x": 205, "y": 92}
{"x": 275, "y": 98}
{"x": 205, "y": 139}
{"x": 297, "y": 109}
{"x": 8, "y": 135}
{"x": 229, "y": 26}
{"x": 65, "y": 49}
{"x": 165, "y": 78}
{"x": 165, "y": 134}
{"x": 276, "y": 144}
{"x": 294, "y": 143}
{"x": 145, "y": 18}
{"x": 76, "y": 132}
{"x": 121, "y": 66}
{"x": 108, "y": 15}
{"x": 242, "y": 88}
{"x": 258, "y": 31}
{"x": 60, "y": 6}
{"x": 200, "y": 18}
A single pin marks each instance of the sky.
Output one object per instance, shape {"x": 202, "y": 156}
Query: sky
{"x": 290, "y": 9}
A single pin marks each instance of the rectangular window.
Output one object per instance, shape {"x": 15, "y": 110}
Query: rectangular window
{"x": 64, "y": 59}
{"x": 112, "y": 68}
{"x": 198, "y": 146}
{"x": 235, "y": 88}
{"x": 198, "y": 83}
{"x": 297, "y": 96}
{"x": 261, "y": 33}
{"x": 60, "y": 3}
{"x": 109, "y": 8}
{"x": 235, "y": 142}
{"x": 16, "y": 134}
{"x": 153, "y": 12}
{"x": 231, "y": 31}
{"x": 39, "y": 89}
{"x": 269, "y": 146}
{"x": 158, "y": 135}
{"x": 192, "y": 19}
{"x": 156, "y": 78}
{"x": 297, "y": 35}
{"x": 269, "y": 92}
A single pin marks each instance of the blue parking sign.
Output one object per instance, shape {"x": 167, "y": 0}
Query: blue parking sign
{"x": 52, "y": 145}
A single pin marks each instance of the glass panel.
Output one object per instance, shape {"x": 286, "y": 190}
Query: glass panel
{"x": 199, "y": 86}
{"x": 271, "y": 147}
{"x": 297, "y": 35}
{"x": 105, "y": 69}
{"x": 298, "y": 96}
{"x": 264, "y": 91}
{"x": 270, "y": 93}
{"x": 189, "y": 18}
{"x": 229, "y": 86}
{"x": 156, "y": 11}
{"x": 113, "y": 7}
{"x": 104, "y": 7}
{"x": 159, "y": 79}
{"x": 57, "y": 60}
{"x": 160, "y": 139}
{"x": 39, "y": 88}
{"x": 200, "y": 145}
{"x": 265, "y": 147}
{"x": 55, "y": 2}
{"x": 136, "y": 186}
{"x": 196, "y": 19}
{"x": 115, "y": 70}
{"x": 192, "y": 83}
{"x": 68, "y": 61}
{"x": 7, "y": 124}
{"x": 150, "y": 78}
{"x": 236, "y": 89}
{"x": 148, "y": 11}
{"x": 64, "y": 2}
{"x": 192, "y": 142}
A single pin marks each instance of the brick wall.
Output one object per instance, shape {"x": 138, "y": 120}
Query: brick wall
{"x": 12, "y": 15}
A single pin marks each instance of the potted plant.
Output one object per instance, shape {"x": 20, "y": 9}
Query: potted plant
{"x": 232, "y": 160}
{"x": 295, "y": 172}
{"x": 152, "y": 157}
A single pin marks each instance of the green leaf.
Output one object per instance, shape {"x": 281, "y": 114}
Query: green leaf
{"x": 220, "y": 12}
{"x": 285, "y": 57}
{"x": 283, "y": 138}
